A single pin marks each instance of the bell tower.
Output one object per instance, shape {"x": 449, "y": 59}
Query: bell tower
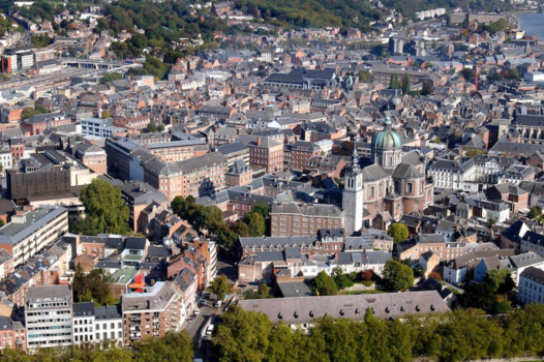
{"x": 352, "y": 197}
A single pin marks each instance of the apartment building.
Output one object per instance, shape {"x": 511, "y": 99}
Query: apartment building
{"x": 292, "y": 219}
{"x": 301, "y": 152}
{"x": 12, "y": 334}
{"x": 264, "y": 152}
{"x": 30, "y": 230}
{"x": 48, "y": 316}
{"x": 171, "y": 148}
{"x": 100, "y": 127}
{"x": 198, "y": 176}
{"x": 97, "y": 324}
{"x": 531, "y": 286}
{"x": 157, "y": 310}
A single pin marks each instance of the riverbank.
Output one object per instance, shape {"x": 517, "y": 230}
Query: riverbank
{"x": 532, "y": 23}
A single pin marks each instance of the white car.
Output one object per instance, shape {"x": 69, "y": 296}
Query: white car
{"x": 196, "y": 311}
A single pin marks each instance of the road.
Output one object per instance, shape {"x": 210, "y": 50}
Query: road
{"x": 196, "y": 328}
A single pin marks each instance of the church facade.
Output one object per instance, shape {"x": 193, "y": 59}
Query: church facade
{"x": 393, "y": 185}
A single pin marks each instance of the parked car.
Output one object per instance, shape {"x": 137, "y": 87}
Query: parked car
{"x": 218, "y": 304}
{"x": 196, "y": 311}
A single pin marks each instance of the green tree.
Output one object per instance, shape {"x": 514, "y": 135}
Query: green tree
{"x": 535, "y": 212}
{"x": 406, "y": 84}
{"x": 263, "y": 292}
{"x": 341, "y": 280}
{"x": 427, "y": 89}
{"x": 151, "y": 127}
{"x": 174, "y": 346}
{"x": 323, "y": 284}
{"x": 397, "y": 276}
{"x": 110, "y": 77}
{"x": 41, "y": 109}
{"x": 365, "y": 76}
{"x": 242, "y": 336}
{"x": 394, "y": 82}
{"x": 500, "y": 280}
{"x": 92, "y": 287}
{"x": 208, "y": 217}
{"x": 105, "y": 114}
{"x": 399, "y": 232}
{"x": 256, "y": 224}
{"x": 221, "y": 287}
{"x": 105, "y": 209}
{"x": 479, "y": 296}
{"x": 262, "y": 209}
{"x": 29, "y": 112}
{"x": 467, "y": 73}
{"x": 160, "y": 128}
{"x": 241, "y": 228}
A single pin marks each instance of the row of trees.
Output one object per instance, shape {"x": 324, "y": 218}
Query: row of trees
{"x": 244, "y": 336}
{"x": 172, "y": 347}
{"x": 210, "y": 218}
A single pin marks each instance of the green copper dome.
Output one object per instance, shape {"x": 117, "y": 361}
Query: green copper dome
{"x": 386, "y": 139}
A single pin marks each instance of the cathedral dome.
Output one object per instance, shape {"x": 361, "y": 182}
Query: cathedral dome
{"x": 386, "y": 139}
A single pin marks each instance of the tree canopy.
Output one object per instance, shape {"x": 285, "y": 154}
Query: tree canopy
{"x": 399, "y": 232}
{"x": 105, "y": 210}
{"x": 110, "y": 77}
{"x": 92, "y": 287}
{"x": 323, "y": 284}
{"x": 455, "y": 336}
{"x": 397, "y": 276}
{"x": 221, "y": 287}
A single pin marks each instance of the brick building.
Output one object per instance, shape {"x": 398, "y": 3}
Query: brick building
{"x": 291, "y": 219}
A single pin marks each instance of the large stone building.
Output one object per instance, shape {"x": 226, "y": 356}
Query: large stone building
{"x": 291, "y": 219}
{"x": 393, "y": 183}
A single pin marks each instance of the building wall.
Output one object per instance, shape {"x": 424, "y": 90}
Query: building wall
{"x": 300, "y": 225}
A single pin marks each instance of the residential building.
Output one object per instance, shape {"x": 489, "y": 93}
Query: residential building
{"x": 30, "y": 230}
{"x": 48, "y": 316}
{"x": 150, "y": 314}
{"x": 531, "y": 286}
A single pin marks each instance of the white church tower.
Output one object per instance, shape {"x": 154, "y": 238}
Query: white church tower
{"x": 352, "y": 197}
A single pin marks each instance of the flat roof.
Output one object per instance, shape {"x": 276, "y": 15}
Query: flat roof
{"x": 17, "y": 230}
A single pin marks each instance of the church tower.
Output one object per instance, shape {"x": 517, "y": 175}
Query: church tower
{"x": 352, "y": 197}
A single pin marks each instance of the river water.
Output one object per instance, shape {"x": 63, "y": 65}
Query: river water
{"x": 532, "y": 24}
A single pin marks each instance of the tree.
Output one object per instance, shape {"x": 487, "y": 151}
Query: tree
{"x": 535, "y": 212}
{"x": 427, "y": 88}
{"x": 480, "y": 296}
{"x": 207, "y": 217}
{"x": 256, "y": 224}
{"x": 500, "y": 280}
{"x": 174, "y": 346}
{"x": 341, "y": 280}
{"x": 406, "y": 84}
{"x": 365, "y": 76}
{"x": 397, "y": 276}
{"x": 160, "y": 128}
{"x": 105, "y": 209}
{"x": 263, "y": 292}
{"x": 221, "y": 287}
{"x": 262, "y": 209}
{"x": 242, "y": 336}
{"x": 105, "y": 114}
{"x": 399, "y": 232}
{"x": 241, "y": 228}
{"x": 41, "y": 109}
{"x": 29, "y": 112}
{"x": 151, "y": 127}
{"x": 92, "y": 287}
{"x": 323, "y": 284}
{"x": 394, "y": 82}
{"x": 110, "y": 77}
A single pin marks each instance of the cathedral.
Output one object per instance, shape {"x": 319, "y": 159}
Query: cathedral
{"x": 391, "y": 186}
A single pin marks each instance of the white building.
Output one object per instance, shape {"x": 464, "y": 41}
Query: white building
{"x": 108, "y": 322}
{"x": 31, "y": 230}
{"x": 352, "y": 197}
{"x": 48, "y": 316}
{"x": 531, "y": 286}
{"x": 83, "y": 322}
{"x": 99, "y": 127}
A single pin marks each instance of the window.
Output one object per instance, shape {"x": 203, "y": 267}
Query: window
{"x": 409, "y": 187}
{"x": 371, "y": 191}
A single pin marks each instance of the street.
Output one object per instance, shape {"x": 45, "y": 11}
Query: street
{"x": 197, "y": 328}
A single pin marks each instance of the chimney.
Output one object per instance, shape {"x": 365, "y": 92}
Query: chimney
{"x": 259, "y": 140}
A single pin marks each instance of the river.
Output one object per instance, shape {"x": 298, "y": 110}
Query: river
{"x": 532, "y": 24}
